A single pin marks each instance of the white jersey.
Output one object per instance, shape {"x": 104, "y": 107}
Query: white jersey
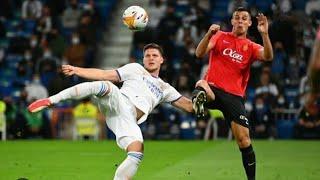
{"x": 144, "y": 90}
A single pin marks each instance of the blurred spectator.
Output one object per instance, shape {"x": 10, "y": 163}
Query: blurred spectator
{"x": 307, "y": 39}
{"x": 156, "y": 11}
{"x": 267, "y": 90}
{"x": 31, "y": 9}
{"x": 85, "y": 110}
{"x": 293, "y": 67}
{"x": 71, "y": 15}
{"x": 56, "y": 43}
{"x": 14, "y": 127}
{"x": 279, "y": 60}
{"x": 186, "y": 31}
{"x": 312, "y": 6}
{"x": 167, "y": 27}
{"x": 45, "y": 22}
{"x": 47, "y": 66}
{"x": 283, "y": 30}
{"x": 35, "y": 90}
{"x": 75, "y": 54}
{"x": 285, "y": 6}
{"x": 35, "y": 48}
{"x": 308, "y": 125}
{"x": 87, "y": 30}
{"x": 304, "y": 89}
{"x": 261, "y": 117}
{"x": 58, "y": 83}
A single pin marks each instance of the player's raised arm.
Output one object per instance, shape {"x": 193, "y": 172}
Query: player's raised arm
{"x": 205, "y": 45}
{"x": 91, "y": 73}
{"x": 267, "y": 52}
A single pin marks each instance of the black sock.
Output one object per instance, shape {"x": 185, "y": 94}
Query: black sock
{"x": 249, "y": 162}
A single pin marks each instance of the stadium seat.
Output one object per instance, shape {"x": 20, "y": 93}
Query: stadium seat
{"x": 285, "y": 128}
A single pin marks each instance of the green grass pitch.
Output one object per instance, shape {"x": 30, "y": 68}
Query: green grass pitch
{"x": 163, "y": 160}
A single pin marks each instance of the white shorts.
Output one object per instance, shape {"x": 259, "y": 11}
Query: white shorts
{"x": 120, "y": 116}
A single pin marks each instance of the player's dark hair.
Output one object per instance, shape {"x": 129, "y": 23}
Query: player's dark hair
{"x": 242, "y": 9}
{"x": 153, "y": 46}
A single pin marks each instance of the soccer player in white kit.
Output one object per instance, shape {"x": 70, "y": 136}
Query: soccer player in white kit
{"x": 124, "y": 108}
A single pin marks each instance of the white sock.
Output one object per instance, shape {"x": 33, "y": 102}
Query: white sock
{"x": 99, "y": 88}
{"x": 129, "y": 166}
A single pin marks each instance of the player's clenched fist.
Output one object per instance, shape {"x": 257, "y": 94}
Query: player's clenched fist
{"x": 214, "y": 28}
{"x": 68, "y": 70}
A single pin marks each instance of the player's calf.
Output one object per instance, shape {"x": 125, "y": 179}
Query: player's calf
{"x": 129, "y": 166}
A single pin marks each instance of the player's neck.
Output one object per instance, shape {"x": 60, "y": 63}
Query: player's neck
{"x": 244, "y": 35}
{"x": 154, "y": 74}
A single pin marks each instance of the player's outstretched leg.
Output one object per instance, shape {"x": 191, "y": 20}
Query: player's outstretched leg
{"x": 128, "y": 168}
{"x": 98, "y": 88}
{"x": 242, "y": 137}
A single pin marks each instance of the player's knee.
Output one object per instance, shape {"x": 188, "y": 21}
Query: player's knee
{"x": 136, "y": 146}
{"x": 243, "y": 141}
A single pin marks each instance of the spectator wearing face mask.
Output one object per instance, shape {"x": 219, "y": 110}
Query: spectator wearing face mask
{"x": 308, "y": 125}
{"x": 75, "y": 54}
{"x": 35, "y": 89}
{"x": 35, "y": 48}
{"x": 263, "y": 124}
{"x": 31, "y": 9}
{"x": 71, "y": 15}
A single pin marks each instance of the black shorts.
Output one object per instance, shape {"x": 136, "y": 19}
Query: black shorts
{"x": 232, "y": 107}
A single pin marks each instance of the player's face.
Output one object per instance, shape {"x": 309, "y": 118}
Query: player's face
{"x": 152, "y": 59}
{"x": 240, "y": 21}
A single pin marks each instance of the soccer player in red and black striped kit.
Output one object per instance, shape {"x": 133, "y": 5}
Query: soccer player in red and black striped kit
{"x": 223, "y": 87}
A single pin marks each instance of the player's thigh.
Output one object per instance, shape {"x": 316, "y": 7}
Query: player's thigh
{"x": 124, "y": 124}
{"x": 234, "y": 110}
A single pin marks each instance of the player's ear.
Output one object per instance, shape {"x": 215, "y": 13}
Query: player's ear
{"x": 232, "y": 21}
{"x": 162, "y": 60}
{"x": 250, "y": 22}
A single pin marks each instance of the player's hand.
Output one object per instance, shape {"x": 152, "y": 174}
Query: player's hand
{"x": 214, "y": 28}
{"x": 262, "y": 23}
{"x": 68, "y": 70}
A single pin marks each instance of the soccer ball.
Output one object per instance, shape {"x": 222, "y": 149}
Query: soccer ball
{"x": 135, "y": 18}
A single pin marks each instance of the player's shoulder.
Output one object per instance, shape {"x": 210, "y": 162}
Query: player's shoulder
{"x": 164, "y": 85}
{"x": 134, "y": 65}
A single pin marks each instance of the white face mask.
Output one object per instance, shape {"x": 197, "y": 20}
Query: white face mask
{"x": 33, "y": 43}
{"x": 36, "y": 80}
{"x": 27, "y": 56}
{"x": 47, "y": 54}
{"x": 281, "y": 100}
{"x": 192, "y": 50}
{"x": 75, "y": 40}
{"x": 259, "y": 106}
